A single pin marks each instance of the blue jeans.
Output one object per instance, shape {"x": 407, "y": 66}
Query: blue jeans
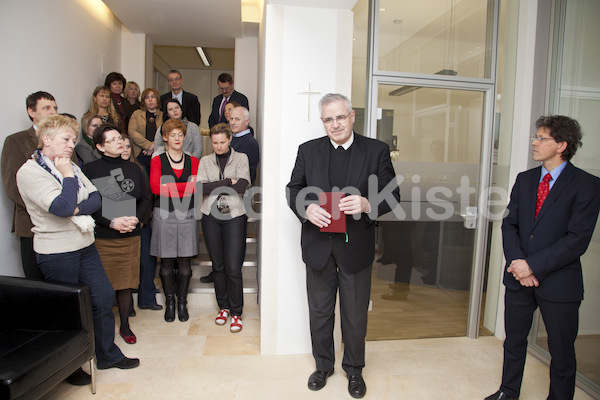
{"x": 147, "y": 289}
{"x": 226, "y": 244}
{"x": 84, "y": 266}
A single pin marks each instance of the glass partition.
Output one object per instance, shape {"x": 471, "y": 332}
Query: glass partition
{"x": 436, "y": 37}
{"x": 576, "y": 56}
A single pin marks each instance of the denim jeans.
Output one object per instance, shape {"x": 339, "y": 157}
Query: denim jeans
{"x": 147, "y": 289}
{"x": 84, "y": 266}
{"x": 226, "y": 244}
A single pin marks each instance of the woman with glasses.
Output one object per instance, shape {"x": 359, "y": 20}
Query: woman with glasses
{"x": 126, "y": 205}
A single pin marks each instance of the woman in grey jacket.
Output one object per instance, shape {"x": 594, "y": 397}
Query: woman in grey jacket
{"x": 225, "y": 177}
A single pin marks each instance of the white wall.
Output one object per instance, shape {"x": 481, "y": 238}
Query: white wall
{"x": 246, "y": 74}
{"x": 64, "y": 47}
{"x": 133, "y": 56}
{"x": 291, "y": 57}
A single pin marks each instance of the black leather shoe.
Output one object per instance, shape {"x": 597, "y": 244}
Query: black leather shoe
{"x": 156, "y": 307}
{"x": 207, "y": 278}
{"x": 499, "y": 395}
{"x": 357, "y": 386}
{"x": 318, "y": 379}
{"x": 126, "y": 363}
{"x": 79, "y": 378}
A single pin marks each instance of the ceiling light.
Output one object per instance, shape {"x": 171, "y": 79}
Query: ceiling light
{"x": 203, "y": 56}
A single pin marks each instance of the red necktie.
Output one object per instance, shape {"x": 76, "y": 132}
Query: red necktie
{"x": 225, "y": 100}
{"x": 542, "y": 192}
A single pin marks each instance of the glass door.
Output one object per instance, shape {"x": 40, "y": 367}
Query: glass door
{"x": 429, "y": 249}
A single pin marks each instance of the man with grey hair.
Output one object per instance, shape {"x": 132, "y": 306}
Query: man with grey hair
{"x": 189, "y": 101}
{"x": 342, "y": 162}
{"x": 243, "y": 141}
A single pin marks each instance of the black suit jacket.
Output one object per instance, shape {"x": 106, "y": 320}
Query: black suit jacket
{"x": 552, "y": 243}
{"x": 215, "y": 118}
{"x": 190, "y": 106}
{"x": 369, "y": 157}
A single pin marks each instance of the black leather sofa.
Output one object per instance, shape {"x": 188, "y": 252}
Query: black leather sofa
{"x": 46, "y": 334}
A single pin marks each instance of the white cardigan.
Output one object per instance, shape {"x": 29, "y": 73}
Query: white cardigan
{"x": 51, "y": 234}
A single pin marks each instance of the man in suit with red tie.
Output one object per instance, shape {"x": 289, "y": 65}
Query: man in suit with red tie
{"x": 228, "y": 93}
{"x": 342, "y": 161}
{"x": 551, "y": 218}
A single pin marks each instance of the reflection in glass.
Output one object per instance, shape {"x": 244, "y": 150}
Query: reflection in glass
{"x": 578, "y": 96}
{"x": 424, "y": 257}
{"x": 434, "y": 37}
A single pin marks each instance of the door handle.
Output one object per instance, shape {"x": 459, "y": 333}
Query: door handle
{"x": 470, "y": 217}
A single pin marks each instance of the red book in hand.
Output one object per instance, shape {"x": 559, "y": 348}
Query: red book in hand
{"x": 330, "y": 202}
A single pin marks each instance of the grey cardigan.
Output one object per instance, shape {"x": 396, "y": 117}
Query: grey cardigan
{"x": 237, "y": 167}
{"x": 192, "y": 143}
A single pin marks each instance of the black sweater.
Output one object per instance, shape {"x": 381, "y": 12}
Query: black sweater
{"x": 125, "y": 191}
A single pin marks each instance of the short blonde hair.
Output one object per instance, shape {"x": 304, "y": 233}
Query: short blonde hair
{"x": 54, "y": 124}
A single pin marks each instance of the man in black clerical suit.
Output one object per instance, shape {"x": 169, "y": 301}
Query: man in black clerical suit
{"x": 189, "y": 101}
{"x": 551, "y": 217}
{"x": 228, "y": 93}
{"x": 342, "y": 161}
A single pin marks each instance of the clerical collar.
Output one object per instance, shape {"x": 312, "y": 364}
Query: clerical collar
{"x": 345, "y": 145}
{"x": 242, "y": 133}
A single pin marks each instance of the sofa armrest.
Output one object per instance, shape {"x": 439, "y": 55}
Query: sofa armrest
{"x": 40, "y": 305}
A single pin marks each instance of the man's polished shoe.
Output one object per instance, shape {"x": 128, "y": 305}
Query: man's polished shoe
{"x": 357, "y": 386}
{"x": 318, "y": 379}
{"x": 79, "y": 378}
{"x": 499, "y": 395}
{"x": 207, "y": 278}
{"x": 126, "y": 363}
{"x": 155, "y": 307}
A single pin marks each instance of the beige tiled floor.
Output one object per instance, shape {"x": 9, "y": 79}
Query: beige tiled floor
{"x": 200, "y": 360}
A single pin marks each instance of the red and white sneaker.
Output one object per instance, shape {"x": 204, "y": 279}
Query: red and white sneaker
{"x": 236, "y": 324}
{"x": 222, "y": 317}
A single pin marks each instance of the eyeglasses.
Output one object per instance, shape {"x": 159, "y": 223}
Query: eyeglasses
{"x": 540, "y": 139}
{"x": 339, "y": 119}
{"x": 116, "y": 138}
{"x": 174, "y": 79}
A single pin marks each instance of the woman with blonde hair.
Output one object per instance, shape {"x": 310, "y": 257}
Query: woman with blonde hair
{"x": 102, "y": 105}
{"x": 132, "y": 93}
{"x": 59, "y": 199}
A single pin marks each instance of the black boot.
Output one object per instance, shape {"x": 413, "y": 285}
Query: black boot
{"x": 168, "y": 283}
{"x": 183, "y": 284}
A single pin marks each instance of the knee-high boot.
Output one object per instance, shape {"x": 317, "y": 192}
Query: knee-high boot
{"x": 183, "y": 284}
{"x": 168, "y": 283}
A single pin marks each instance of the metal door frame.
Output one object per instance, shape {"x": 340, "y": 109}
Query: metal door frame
{"x": 487, "y": 86}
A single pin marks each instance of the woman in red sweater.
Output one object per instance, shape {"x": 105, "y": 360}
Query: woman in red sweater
{"x": 174, "y": 229}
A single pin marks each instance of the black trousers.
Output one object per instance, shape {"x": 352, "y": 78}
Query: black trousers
{"x": 29, "y": 261}
{"x": 355, "y": 291}
{"x": 226, "y": 244}
{"x": 562, "y": 323}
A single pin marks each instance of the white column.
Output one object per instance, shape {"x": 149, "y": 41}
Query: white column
{"x": 298, "y": 46}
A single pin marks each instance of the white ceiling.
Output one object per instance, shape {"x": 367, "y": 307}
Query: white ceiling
{"x": 206, "y": 23}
